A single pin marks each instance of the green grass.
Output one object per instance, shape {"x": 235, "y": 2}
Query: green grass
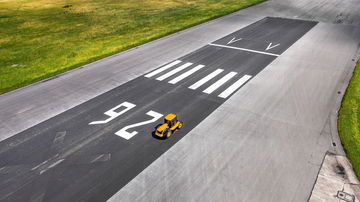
{"x": 42, "y": 38}
{"x": 349, "y": 121}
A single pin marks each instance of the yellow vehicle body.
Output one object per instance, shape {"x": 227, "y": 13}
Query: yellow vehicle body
{"x": 169, "y": 127}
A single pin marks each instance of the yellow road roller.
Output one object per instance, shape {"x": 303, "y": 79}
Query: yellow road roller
{"x": 169, "y": 127}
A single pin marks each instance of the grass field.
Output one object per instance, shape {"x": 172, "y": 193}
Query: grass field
{"x": 42, "y": 38}
{"x": 349, "y": 121}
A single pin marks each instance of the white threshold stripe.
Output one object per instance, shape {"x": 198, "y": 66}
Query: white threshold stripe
{"x": 162, "y": 68}
{"x": 234, "y": 86}
{"x": 186, "y": 74}
{"x": 205, "y": 79}
{"x": 244, "y": 49}
{"x": 220, "y": 82}
{"x": 174, "y": 71}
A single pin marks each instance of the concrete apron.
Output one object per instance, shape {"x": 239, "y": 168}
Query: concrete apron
{"x": 336, "y": 181}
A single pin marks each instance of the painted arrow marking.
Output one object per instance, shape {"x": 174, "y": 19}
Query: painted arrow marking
{"x": 233, "y": 40}
{"x": 270, "y": 46}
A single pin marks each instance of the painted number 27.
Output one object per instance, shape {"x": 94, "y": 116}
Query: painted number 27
{"x": 127, "y": 106}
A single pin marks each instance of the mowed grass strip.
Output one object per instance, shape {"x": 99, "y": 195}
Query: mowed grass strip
{"x": 42, "y": 38}
{"x": 349, "y": 121}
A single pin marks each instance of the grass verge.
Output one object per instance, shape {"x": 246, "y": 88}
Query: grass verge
{"x": 349, "y": 120}
{"x": 42, "y": 38}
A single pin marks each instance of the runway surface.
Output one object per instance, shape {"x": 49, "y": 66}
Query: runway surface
{"x": 258, "y": 96}
{"x": 73, "y": 156}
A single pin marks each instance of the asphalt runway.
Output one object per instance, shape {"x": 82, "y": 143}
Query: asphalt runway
{"x": 72, "y": 156}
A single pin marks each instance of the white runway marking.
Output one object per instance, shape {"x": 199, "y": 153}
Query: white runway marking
{"x": 206, "y": 79}
{"x": 113, "y": 114}
{"x": 244, "y": 49}
{"x": 226, "y": 93}
{"x": 234, "y": 86}
{"x": 162, "y": 68}
{"x": 127, "y": 135}
{"x": 233, "y": 40}
{"x": 220, "y": 82}
{"x": 174, "y": 71}
{"x": 270, "y": 46}
{"x": 186, "y": 74}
